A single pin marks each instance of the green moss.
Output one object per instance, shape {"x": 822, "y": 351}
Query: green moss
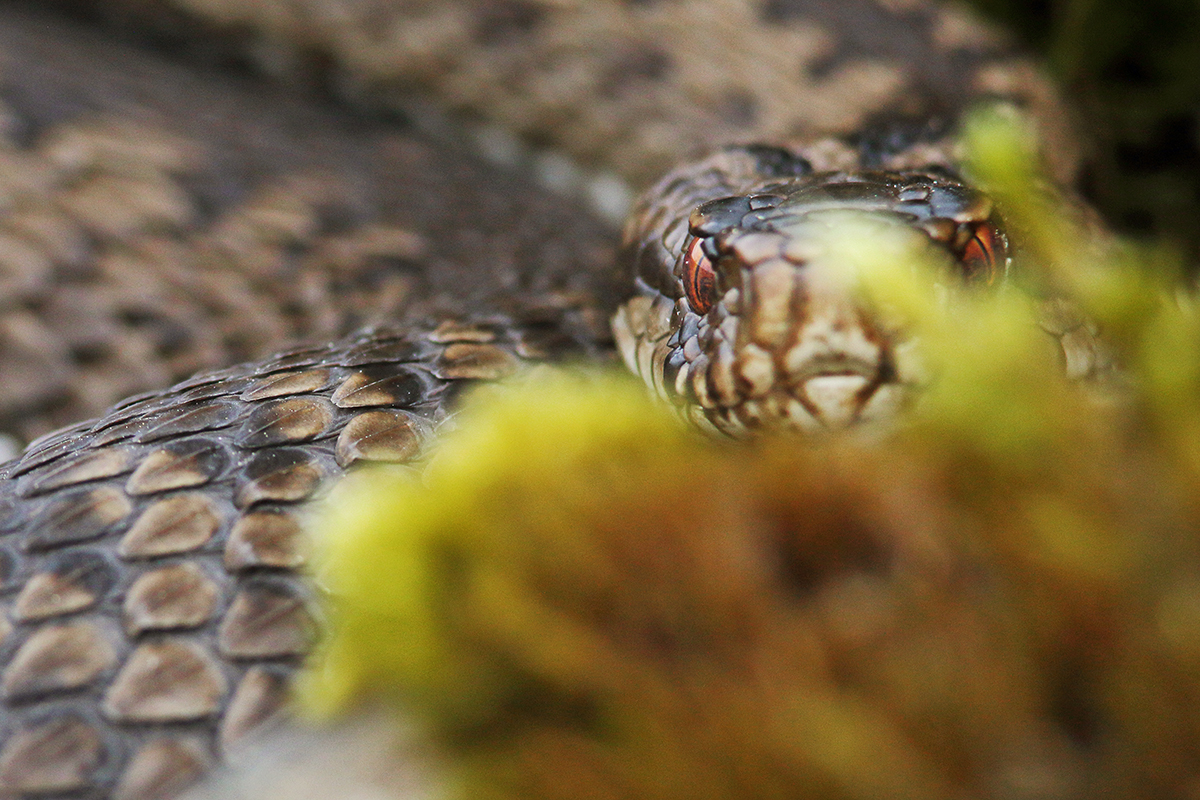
{"x": 580, "y": 599}
{"x": 469, "y": 526}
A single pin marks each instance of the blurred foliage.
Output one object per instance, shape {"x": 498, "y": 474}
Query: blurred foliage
{"x": 1000, "y": 598}
{"x": 1132, "y": 68}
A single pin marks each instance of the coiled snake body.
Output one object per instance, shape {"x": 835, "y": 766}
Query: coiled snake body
{"x": 157, "y": 223}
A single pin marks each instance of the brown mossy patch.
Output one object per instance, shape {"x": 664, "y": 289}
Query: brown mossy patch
{"x": 999, "y": 599}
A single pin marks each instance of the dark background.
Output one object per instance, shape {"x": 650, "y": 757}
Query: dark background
{"x": 1132, "y": 68}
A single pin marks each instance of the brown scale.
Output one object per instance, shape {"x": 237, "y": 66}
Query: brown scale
{"x": 152, "y": 606}
{"x": 158, "y": 612}
{"x": 649, "y": 84}
{"x": 142, "y": 242}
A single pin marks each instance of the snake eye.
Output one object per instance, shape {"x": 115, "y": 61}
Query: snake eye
{"x": 984, "y": 254}
{"x": 699, "y": 278}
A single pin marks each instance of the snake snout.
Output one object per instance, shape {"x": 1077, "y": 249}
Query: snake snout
{"x": 838, "y": 377}
{"x": 828, "y": 369}
{"x": 836, "y": 399}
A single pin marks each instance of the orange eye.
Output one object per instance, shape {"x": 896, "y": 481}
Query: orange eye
{"x": 699, "y": 278}
{"x": 984, "y": 254}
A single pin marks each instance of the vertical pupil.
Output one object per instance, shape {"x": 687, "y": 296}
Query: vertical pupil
{"x": 981, "y": 253}
{"x": 699, "y": 279}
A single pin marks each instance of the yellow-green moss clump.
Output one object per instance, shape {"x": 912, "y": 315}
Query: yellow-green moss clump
{"x": 579, "y": 599}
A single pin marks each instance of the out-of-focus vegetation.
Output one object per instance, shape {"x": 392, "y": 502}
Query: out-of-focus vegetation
{"x": 998, "y": 599}
{"x": 1132, "y": 69}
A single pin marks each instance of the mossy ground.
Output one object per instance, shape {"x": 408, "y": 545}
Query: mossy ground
{"x": 998, "y": 599}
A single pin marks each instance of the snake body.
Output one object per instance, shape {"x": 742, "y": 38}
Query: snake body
{"x": 151, "y": 558}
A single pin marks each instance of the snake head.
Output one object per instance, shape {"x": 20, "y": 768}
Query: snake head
{"x": 746, "y": 317}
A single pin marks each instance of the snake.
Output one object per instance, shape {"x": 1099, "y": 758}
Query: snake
{"x": 248, "y": 247}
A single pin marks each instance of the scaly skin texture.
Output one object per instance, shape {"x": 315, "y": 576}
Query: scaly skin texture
{"x": 143, "y": 240}
{"x": 630, "y": 89}
{"x": 159, "y": 220}
{"x": 638, "y": 86}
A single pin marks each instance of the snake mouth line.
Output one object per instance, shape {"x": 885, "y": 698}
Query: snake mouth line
{"x": 839, "y": 399}
{"x": 830, "y": 394}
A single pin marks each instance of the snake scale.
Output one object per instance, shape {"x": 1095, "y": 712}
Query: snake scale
{"x": 162, "y": 219}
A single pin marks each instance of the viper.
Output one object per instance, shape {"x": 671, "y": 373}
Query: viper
{"x": 281, "y": 282}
